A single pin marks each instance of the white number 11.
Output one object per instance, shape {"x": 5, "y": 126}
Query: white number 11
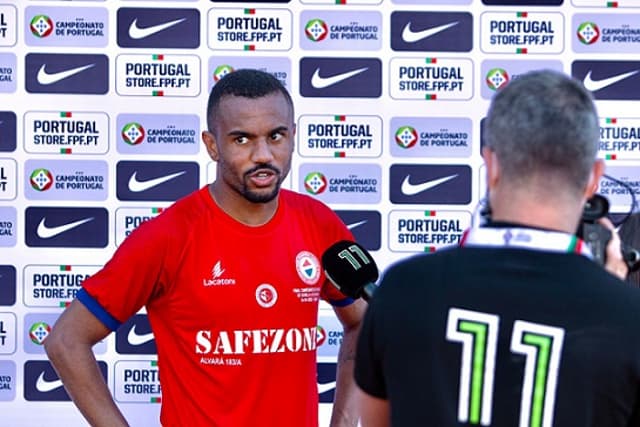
{"x": 540, "y": 344}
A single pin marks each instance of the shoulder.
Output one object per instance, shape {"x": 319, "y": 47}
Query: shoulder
{"x": 306, "y": 205}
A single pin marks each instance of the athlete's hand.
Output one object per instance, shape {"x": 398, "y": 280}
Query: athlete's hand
{"x": 614, "y": 262}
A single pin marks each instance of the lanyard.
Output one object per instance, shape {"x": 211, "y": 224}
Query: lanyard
{"x": 525, "y": 238}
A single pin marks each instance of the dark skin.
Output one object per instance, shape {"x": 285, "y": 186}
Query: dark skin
{"x": 252, "y": 144}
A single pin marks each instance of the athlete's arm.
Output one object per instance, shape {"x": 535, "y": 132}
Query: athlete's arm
{"x": 374, "y": 412}
{"x": 69, "y": 349}
{"x": 345, "y": 412}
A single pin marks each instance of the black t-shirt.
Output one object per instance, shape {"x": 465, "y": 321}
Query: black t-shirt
{"x": 503, "y": 337}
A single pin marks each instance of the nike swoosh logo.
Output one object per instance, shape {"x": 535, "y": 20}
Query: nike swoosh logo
{"x": 410, "y": 189}
{"x": 45, "y": 232}
{"x": 138, "y": 186}
{"x": 355, "y": 224}
{"x": 322, "y": 82}
{"x": 138, "y": 33}
{"x": 45, "y": 78}
{"x": 410, "y": 36}
{"x": 136, "y": 339}
{"x": 594, "y": 85}
{"x": 322, "y": 388}
{"x": 44, "y": 386}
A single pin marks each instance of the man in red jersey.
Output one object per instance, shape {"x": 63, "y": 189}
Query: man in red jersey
{"x": 231, "y": 280}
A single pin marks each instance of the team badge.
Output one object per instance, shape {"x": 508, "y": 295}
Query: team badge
{"x": 308, "y": 267}
{"x": 266, "y": 295}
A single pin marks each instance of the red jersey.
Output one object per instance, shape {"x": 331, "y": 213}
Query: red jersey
{"x": 233, "y": 308}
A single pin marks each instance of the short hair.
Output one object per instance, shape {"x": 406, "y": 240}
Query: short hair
{"x": 248, "y": 83}
{"x": 544, "y": 123}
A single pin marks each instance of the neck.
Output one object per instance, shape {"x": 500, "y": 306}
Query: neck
{"x": 551, "y": 214}
{"x": 241, "y": 209}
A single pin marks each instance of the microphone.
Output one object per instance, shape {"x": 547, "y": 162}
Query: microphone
{"x": 351, "y": 269}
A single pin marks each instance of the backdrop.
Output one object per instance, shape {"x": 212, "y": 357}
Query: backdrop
{"x": 102, "y": 104}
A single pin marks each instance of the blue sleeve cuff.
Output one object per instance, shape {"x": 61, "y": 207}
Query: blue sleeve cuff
{"x": 342, "y": 302}
{"x": 96, "y": 309}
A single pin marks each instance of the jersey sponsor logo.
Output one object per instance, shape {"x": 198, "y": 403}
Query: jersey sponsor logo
{"x": 609, "y": 79}
{"x": 8, "y": 27}
{"x": 66, "y": 132}
{"x": 135, "y": 336}
{"x": 66, "y": 26}
{"x": 326, "y": 381}
{"x": 8, "y": 231}
{"x": 156, "y": 181}
{"x": 254, "y": 341}
{"x": 250, "y": 29}
{"x": 128, "y": 219}
{"x": 339, "y": 136}
{"x": 497, "y": 73}
{"x": 279, "y": 67}
{"x": 158, "y": 28}
{"x": 8, "y": 132}
{"x": 341, "y": 77}
{"x": 158, "y": 133}
{"x": 67, "y": 73}
{"x": 137, "y": 381}
{"x": 337, "y": 30}
{"x": 66, "y": 227}
{"x": 8, "y": 329}
{"x": 434, "y": 184}
{"x": 7, "y": 289}
{"x": 429, "y": 137}
{"x": 619, "y": 138}
{"x": 522, "y": 32}
{"x": 618, "y": 193}
{"x": 66, "y": 180}
{"x": 8, "y": 380}
{"x": 431, "y": 78}
{"x": 426, "y": 231}
{"x": 341, "y": 183}
{"x": 8, "y": 178}
{"x": 41, "y": 382}
{"x": 365, "y": 226}
{"x": 266, "y": 295}
{"x": 606, "y": 33}
{"x": 8, "y": 67}
{"x": 158, "y": 75}
{"x": 216, "y": 278}
{"x": 431, "y": 31}
{"x": 53, "y": 285}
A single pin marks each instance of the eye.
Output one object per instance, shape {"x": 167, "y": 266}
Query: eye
{"x": 241, "y": 140}
{"x": 277, "y": 136}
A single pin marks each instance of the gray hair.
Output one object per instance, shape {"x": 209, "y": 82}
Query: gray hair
{"x": 544, "y": 123}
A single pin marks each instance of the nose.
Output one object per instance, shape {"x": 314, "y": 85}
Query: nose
{"x": 261, "y": 152}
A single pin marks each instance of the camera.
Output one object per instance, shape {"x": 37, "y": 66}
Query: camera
{"x": 597, "y": 237}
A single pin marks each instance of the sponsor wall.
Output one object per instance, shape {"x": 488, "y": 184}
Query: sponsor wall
{"x": 102, "y": 105}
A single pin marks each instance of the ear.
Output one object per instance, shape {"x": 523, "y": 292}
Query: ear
{"x": 493, "y": 167}
{"x": 597, "y": 170}
{"x": 210, "y": 143}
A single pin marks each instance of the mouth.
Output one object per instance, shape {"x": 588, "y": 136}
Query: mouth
{"x": 263, "y": 177}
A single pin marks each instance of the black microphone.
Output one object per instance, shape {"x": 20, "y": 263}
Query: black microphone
{"x": 351, "y": 269}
